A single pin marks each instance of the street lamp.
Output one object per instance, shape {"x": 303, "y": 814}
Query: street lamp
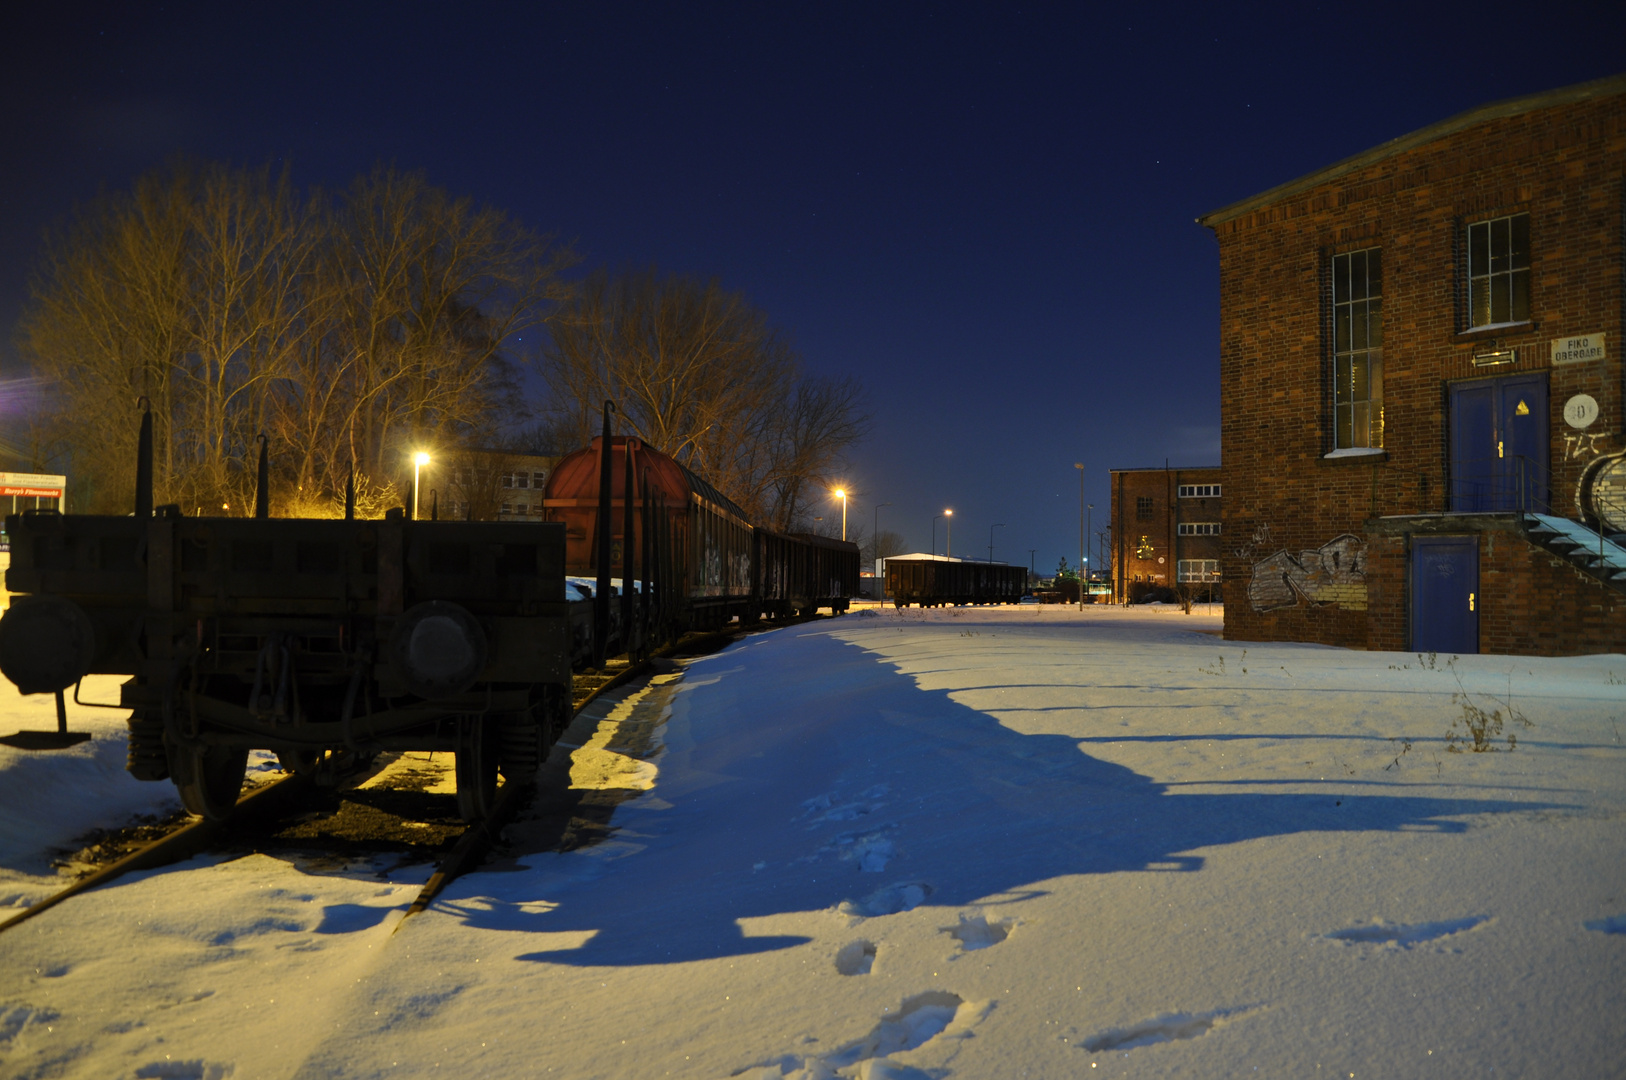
{"x": 419, "y": 460}
{"x": 991, "y": 529}
{"x": 948, "y": 527}
{"x": 875, "y": 535}
{"x": 1082, "y": 559}
{"x": 841, "y": 494}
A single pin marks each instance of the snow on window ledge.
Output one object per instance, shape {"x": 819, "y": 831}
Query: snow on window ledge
{"x": 1358, "y": 451}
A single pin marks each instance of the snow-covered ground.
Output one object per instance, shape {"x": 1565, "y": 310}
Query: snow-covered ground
{"x": 978, "y": 843}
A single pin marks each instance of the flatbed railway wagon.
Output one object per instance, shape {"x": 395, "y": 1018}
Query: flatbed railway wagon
{"x": 305, "y": 637}
{"x": 935, "y": 582}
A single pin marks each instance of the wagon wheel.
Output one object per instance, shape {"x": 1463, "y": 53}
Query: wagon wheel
{"x": 479, "y": 745}
{"x": 209, "y": 778}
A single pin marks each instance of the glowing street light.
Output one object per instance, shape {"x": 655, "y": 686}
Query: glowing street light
{"x": 841, "y": 494}
{"x": 948, "y": 548}
{"x": 419, "y": 460}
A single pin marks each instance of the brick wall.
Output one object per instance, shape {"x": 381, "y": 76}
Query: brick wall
{"x": 1285, "y": 500}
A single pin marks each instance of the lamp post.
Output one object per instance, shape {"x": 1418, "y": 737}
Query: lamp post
{"x": 841, "y": 493}
{"x": 991, "y": 529}
{"x": 948, "y": 526}
{"x": 419, "y": 460}
{"x": 1082, "y": 558}
{"x": 875, "y": 535}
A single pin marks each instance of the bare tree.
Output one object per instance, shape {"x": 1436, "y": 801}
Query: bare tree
{"x": 418, "y": 301}
{"x": 351, "y": 332}
{"x": 185, "y": 291}
{"x": 808, "y": 438}
{"x": 886, "y": 545}
{"x": 698, "y": 373}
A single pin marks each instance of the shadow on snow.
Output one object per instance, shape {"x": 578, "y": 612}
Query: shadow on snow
{"x": 860, "y": 791}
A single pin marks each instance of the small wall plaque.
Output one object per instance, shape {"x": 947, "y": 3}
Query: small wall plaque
{"x": 1577, "y": 350}
{"x": 1580, "y": 410}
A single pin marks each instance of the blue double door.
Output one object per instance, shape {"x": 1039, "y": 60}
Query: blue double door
{"x": 1445, "y": 594}
{"x": 1499, "y": 444}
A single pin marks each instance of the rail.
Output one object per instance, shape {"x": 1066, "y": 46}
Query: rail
{"x": 1481, "y": 485}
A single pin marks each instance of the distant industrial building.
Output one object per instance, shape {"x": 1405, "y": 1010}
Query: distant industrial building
{"x": 1167, "y": 532}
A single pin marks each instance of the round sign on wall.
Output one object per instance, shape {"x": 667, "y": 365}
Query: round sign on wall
{"x": 1580, "y": 410}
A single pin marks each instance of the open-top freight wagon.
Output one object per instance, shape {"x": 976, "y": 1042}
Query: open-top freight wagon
{"x": 932, "y": 582}
{"x": 722, "y": 567}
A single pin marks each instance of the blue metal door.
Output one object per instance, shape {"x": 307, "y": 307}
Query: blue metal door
{"x": 1522, "y": 421}
{"x": 1445, "y": 594}
{"x": 1499, "y": 444}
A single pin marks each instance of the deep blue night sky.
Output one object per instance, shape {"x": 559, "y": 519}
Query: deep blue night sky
{"x": 984, "y": 212}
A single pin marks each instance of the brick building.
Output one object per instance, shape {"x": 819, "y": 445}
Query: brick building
{"x": 1421, "y": 388}
{"x": 489, "y": 485}
{"x": 1166, "y": 520}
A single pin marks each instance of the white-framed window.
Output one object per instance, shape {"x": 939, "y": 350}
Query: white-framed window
{"x": 1199, "y": 570}
{"x": 1199, "y": 528}
{"x": 521, "y": 480}
{"x": 1499, "y": 271}
{"x": 1357, "y": 349}
{"x": 1199, "y": 491}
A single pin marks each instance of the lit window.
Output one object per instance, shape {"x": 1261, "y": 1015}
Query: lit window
{"x": 1499, "y": 271}
{"x": 1357, "y": 352}
{"x": 1199, "y": 570}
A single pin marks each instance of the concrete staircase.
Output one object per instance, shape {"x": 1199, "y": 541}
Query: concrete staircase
{"x": 1593, "y": 553}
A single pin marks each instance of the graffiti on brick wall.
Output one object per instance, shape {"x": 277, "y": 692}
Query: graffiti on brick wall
{"x": 1601, "y": 493}
{"x": 1585, "y": 444}
{"x": 1259, "y": 539}
{"x": 1334, "y": 573}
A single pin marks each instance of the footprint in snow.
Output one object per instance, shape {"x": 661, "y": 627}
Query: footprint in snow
{"x": 1614, "y": 924}
{"x": 15, "y": 1019}
{"x": 871, "y": 852}
{"x": 1394, "y": 936}
{"x": 976, "y": 932}
{"x": 829, "y": 807}
{"x": 919, "y": 1020}
{"x": 856, "y": 958}
{"x": 1163, "y": 1029}
{"x": 184, "y": 1070}
{"x": 888, "y": 900}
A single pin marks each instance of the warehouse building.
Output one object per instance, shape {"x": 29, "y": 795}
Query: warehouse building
{"x": 1421, "y": 388}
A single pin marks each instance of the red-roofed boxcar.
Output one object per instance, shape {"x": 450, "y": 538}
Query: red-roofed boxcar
{"x": 707, "y": 536}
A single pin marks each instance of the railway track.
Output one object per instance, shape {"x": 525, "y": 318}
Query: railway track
{"x": 292, "y": 812}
